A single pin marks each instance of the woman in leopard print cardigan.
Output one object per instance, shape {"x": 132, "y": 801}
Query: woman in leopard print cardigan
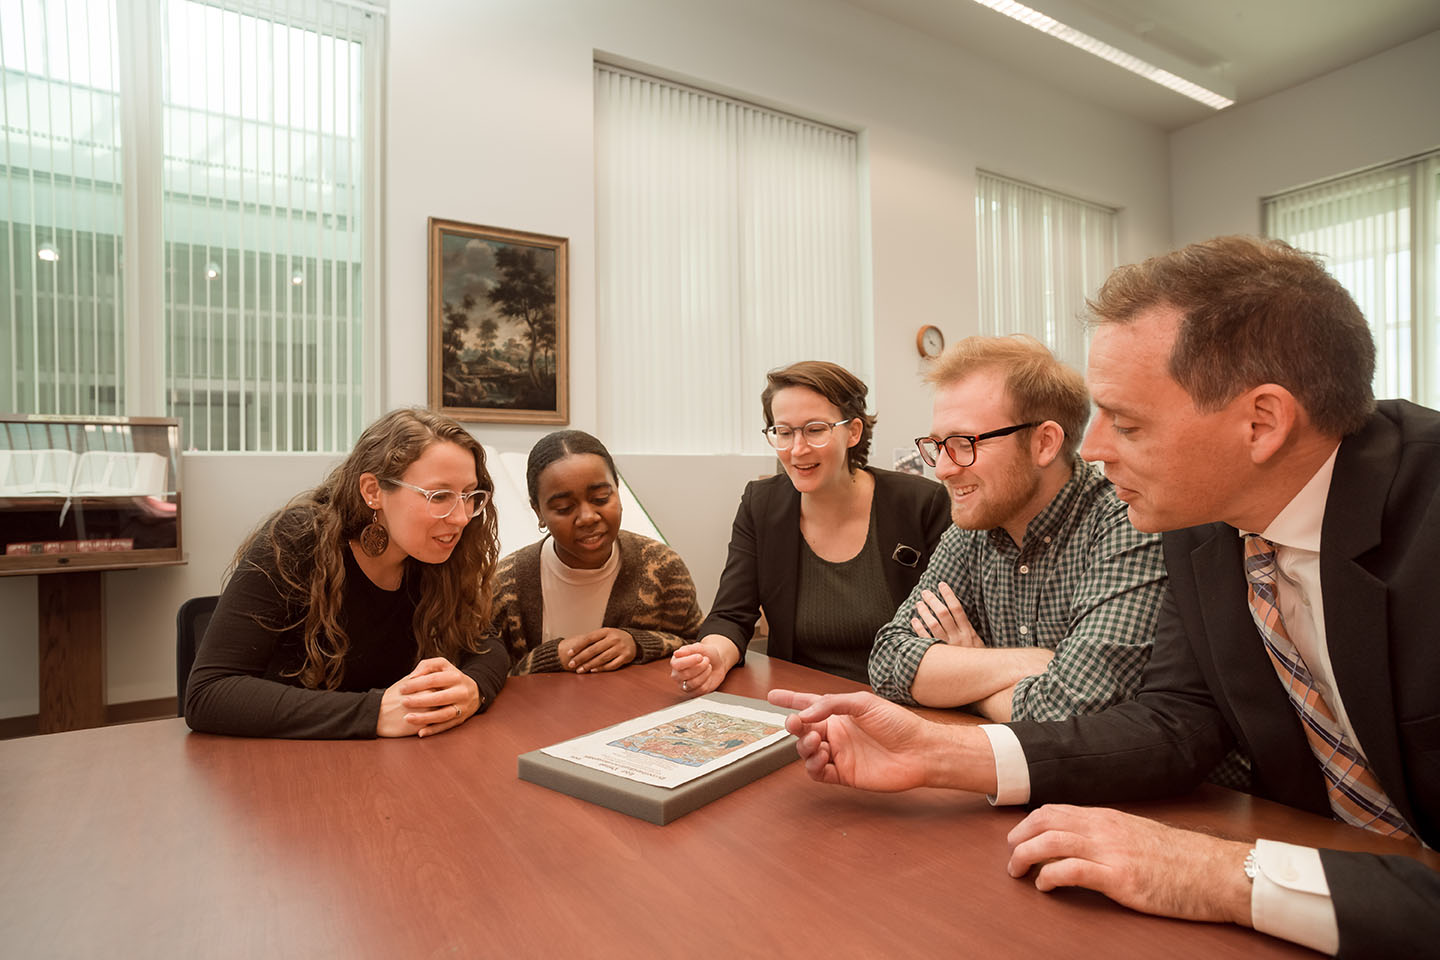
{"x": 589, "y": 597}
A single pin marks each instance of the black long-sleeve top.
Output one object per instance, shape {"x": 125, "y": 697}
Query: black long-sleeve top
{"x": 243, "y": 682}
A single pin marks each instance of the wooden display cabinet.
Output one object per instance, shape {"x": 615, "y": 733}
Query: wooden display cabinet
{"x": 78, "y": 496}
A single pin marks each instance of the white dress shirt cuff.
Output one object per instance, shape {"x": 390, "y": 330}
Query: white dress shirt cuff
{"x": 1012, "y": 773}
{"x": 1291, "y": 898}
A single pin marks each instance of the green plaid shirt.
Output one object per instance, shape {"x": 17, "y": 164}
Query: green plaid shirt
{"x": 1086, "y": 584}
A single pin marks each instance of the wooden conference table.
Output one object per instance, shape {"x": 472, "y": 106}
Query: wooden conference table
{"x": 147, "y": 840}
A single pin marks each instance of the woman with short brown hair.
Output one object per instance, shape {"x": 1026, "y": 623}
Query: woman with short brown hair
{"x": 828, "y": 549}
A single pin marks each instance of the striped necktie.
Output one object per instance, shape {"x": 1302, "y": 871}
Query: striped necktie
{"x": 1356, "y": 797}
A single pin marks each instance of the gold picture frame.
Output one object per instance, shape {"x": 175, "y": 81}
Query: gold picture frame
{"x": 499, "y": 324}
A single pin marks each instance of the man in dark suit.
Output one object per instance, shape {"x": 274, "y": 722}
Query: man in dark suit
{"x": 1232, "y": 383}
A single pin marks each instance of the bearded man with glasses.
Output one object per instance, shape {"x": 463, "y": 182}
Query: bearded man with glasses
{"x": 1041, "y": 600}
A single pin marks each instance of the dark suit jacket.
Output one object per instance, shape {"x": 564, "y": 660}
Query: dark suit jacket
{"x": 1209, "y": 684}
{"x": 763, "y": 566}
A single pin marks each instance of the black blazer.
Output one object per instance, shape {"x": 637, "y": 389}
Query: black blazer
{"x": 762, "y": 569}
{"x": 1209, "y": 683}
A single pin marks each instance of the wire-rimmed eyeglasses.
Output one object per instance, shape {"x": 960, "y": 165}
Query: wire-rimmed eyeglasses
{"x": 961, "y": 446}
{"x": 442, "y": 503}
{"x": 817, "y": 433}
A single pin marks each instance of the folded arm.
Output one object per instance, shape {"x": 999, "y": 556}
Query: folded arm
{"x": 902, "y": 645}
{"x": 951, "y": 676}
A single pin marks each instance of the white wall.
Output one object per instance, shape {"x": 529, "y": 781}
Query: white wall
{"x": 1380, "y": 109}
{"x": 490, "y": 121}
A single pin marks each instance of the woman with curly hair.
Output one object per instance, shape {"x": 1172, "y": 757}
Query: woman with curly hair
{"x": 361, "y": 608}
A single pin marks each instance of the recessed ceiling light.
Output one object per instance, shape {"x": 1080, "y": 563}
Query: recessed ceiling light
{"x": 212, "y": 270}
{"x": 297, "y": 278}
{"x": 1092, "y": 45}
{"x": 48, "y": 253}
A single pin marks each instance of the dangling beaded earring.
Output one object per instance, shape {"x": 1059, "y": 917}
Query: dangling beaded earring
{"x": 374, "y": 538}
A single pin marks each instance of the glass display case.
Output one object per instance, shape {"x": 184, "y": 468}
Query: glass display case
{"x": 88, "y": 493}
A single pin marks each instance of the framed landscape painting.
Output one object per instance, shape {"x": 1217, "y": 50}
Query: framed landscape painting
{"x": 498, "y": 324}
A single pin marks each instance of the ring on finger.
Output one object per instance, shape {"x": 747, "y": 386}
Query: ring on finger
{"x": 685, "y": 685}
{"x": 458, "y": 711}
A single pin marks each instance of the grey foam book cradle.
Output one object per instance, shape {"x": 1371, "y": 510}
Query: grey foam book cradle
{"x": 659, "y": 805}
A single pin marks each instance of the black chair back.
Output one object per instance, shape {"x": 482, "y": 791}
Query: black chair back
{"x": 190, "y": 624}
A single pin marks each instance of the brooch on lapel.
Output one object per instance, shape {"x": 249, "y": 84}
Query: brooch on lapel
{"x": 906, "y": 556}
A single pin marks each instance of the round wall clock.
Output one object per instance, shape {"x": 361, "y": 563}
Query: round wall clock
{"x": 930, "y": 341}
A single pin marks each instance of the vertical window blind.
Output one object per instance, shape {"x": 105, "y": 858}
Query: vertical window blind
{"x": 61, "y": 209}
{"x": 1040, "y": 255}
{"x": 250, "y": 139}
{"x": 1379, "y": 231}
{"x": 729, "y": 241}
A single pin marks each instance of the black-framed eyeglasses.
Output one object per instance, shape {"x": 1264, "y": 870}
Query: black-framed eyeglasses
{"x": 817, "y": 433}
{"x": 442, "y": 503}
{"x": 961, "y": 446}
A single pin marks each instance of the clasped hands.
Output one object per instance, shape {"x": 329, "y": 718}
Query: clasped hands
{"x": 608, "y": 648}
{"x": 430, "y": 699}
{"x": 860, "y": 740}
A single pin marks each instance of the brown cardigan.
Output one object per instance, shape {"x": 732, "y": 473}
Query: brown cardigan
{"x": 653, "y": 599}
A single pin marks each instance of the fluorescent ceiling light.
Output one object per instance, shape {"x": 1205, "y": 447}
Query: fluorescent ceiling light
{"x": 1076, "y": 38}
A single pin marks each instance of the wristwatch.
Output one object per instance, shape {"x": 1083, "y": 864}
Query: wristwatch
{"x": 1252, "y": 866}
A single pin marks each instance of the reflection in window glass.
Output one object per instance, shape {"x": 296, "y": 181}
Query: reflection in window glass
{"x": 61, "y": 209}
{"x": 252, "y": 153}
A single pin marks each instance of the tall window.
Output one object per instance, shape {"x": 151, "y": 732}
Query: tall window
{"x": 1041, "y": 254}
{"x": 61, "y": 209}
{"x": 1380, "y": 233}
{"x": 185, "y": 214}
{"x": 729, "y": 241}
